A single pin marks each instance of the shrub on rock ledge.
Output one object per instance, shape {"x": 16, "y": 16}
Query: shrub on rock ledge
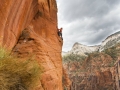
{"x": 16, "y": 74}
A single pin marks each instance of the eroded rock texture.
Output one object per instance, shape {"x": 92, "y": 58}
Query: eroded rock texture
{"x": 95, "y": 73}
{"x": 29, "y": 27}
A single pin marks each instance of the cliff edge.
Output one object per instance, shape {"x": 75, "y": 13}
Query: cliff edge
{"x": 29, "y": 27}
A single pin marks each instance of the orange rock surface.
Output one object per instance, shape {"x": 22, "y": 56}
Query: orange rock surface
{"x": 29, "y": 27}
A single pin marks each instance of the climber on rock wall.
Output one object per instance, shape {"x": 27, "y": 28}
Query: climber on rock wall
{"x": 60, "y": 32}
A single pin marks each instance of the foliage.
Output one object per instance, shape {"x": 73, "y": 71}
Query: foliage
{"x": 111, "y": 64}
{"x": 16, "y": 74}
{"x": 112, "y": 52}
{"x": 95, "y": 54}
{"x": 73, "y": 57}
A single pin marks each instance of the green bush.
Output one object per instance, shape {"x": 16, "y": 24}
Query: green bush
{"x": 112, "y": 52}
{"x": 95, "y": 54}
{"x": 73, "y": 57}
{"x": 16, "y": 74}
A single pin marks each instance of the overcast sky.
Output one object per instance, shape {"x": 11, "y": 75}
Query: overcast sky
{"x": 88, "y": 22}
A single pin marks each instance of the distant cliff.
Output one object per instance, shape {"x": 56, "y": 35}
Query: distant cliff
{"x": 110, "y": 41}
{"x": 81, "y": 49}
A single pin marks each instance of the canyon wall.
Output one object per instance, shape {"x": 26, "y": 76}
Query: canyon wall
{"x": 29, "y": 28}
{"x": 97, "y": 71}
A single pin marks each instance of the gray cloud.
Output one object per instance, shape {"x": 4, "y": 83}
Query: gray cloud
{"x": 74, "y": 9}
{"x": 88, "y": 21}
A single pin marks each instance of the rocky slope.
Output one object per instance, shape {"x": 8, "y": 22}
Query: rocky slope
{"x": 110, "y": 41}
{"x": 29, "y": 28}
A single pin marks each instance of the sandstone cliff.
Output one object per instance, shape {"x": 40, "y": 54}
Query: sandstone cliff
{"x": 29, "y": 27}
{"x": 97, "y": 71}
{"x": 110, "y": 41}
{"x": 81, "y": 49}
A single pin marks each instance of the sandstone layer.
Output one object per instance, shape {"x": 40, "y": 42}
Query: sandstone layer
{"x": 29, "y": 28}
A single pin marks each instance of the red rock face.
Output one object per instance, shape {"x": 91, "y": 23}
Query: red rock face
{"x": 29, "y": 27}
{"x": 95, "y": 73}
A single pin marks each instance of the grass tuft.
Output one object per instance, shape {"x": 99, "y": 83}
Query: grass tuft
{"x": 16, "y": 74}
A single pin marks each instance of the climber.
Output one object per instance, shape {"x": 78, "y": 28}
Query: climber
{"x": 60, "y": 33}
